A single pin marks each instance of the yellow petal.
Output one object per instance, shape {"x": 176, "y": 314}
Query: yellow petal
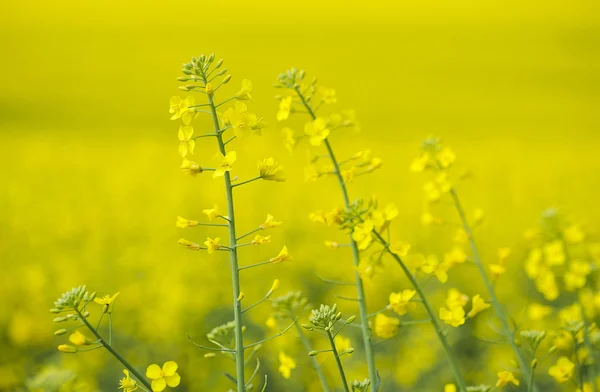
{"x": 153, "y": 372}
{"x": 159, "y": 384}
{"x": 173, "y": 380}
{"x": 169, "y": 368}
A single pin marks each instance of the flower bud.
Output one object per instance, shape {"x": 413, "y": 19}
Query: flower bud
{"x": 351, "y": 319}
{"x": 186, "y": 71}
{"x": 92, "y": 296}
{"x": 222, "y": 72}
{"x": 312, "y": 353}
{"x": 209, "y": 89}
{"x": 219, "y": 63}
{"x": 59, "y": 320}
{"x": 183, "y": 79}
{"x": 307, "y": 326}
{"x": 534, "y": 363}
{"x": 226, "y": 79}
{"x": 60, "y": 332}
{"x": 202, "y": 59}
{"x": 65, "y": 348}
{"x": 55, "y": 311}
{"x": 350, "y": 350}
{"x": 211, "y": 58}
{"x": 338, "y": 316}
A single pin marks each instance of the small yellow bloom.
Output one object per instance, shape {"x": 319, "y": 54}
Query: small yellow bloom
{"x": 260, "y": 240}
{"x": 554, "y": 253}
{"x": 446, "y": 158}
{"x": 241, "y": 296}
{"x": 386, "y": 327}
{"x": 274, "y": 286}
{"x": 505, "y": 378}
{"x": 317, "y": 131}
{"x": 400, "y": 248}
{"x": 327, "y": 95}
{"x": 289, "y": 139}
{"x": 537, "y": 312}
{"x": 332, "y": 244}
{"x": 186, "y": 143}
{"x": 270, "y": 222}
{"x": 362, "y": 234}
{"x": 127, "y": 384}
{"x": 286, "y": 364}
{"x": 285, "y": 105}
{"x": 454, "y": 317}
{"x": 477, "y": 305}
{"x": 106, "y": 300}
{"x": 271, "y": 322}
{"x": 190, "y": 168}
{"x": 179, "y": 106}
{"x": 456, "y": 256}
{"x": 456, "y": 299}
{"x": 212, "y": 244}
{"x": 562, "y": 371}
{"x": 244, "y": 93}
{"x": 212, "y": 213}
{"x": 78, "y": 339}
{"x": 449, "y": 388}
{"x": 400, "y": 302}
{"x": 271, "y": 170}
{"x": 209, "y": 89}
{"x": 478, "y": 216}
{"x": 573, "y": 234}
{"x": 282, "y": 256}
{"x": 188, "y": 244}
{"x": 497, "y": 270}
{"x": 348, "y": 175}
{"x": 184, "y": 223}
{"x": 225, "y": 165}
{"x": 65, "y": 348}
{"x": 161, "y": 378}
{"x": 342, "y": 344}
{"x": 503, "y": 254}
{"x": 432, "y": 192}
{"x": 421, "y": 163}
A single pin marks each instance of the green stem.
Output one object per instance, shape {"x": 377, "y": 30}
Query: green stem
{"x": 462, "y": 385}
{"x": 247, "y": 181}
{"x": 235, "y": 275}
{"x": 338, "y": 361}
{"x": 490, "y": 289}
{"x": 315, "y": 363}
{"x": 362, "y": 304}
{"x": 111, "y": 350}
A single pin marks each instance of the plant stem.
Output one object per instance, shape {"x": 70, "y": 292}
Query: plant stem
{"x": 111, "y": 350}
{"x": 362, "y": 304}
{"x": 338, "y": 361}
{"x": 235, "y": 275}
{"x": 462, "y": 385}
{"x": 315, "y": 363}
{"x": 490, "y": 289}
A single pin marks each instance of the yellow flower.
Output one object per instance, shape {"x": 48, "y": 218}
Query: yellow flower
{"x": 573, "y": 234}
{"x": 285, "y": 105}
{"x": 456, "y": 299}
{"x": 537, "y": 312}
{"x": 274, "y": 286}
{"x": 317, "y": 131}
{"x": 456, "y": 256}
{"x": 546, "y": 284}
{"x": 477, "y": 305}
{"x": 563, "y": 370}
{"x": 533, "y": 263}
{"x": 554, "y": 253}
{"x": 183, "y": 223}
{"x": 432, "y": 192}
{"x": 127, "y": 384}
{"x": 270, "y": 222}
{"x": 362, "y": 234}
{"x": 570, "y": 314}
{"x": 327, "y": 95}
{"x": 212, "y": 213}
{"x": 260, "y": 240}
{"x": 242, "y": 121}
{"x": 78, "y": 339}
{"x": 400, "y": 248}
{"x": 449, "y": 388}
{"x": 106, "y": 300}
{"x": 180, "y": 106}
{"x": 454, "y": 317}
{"x": 289, "y": 139}
{"x": 65, "y": 348}
{"x": 212, "y": 244}
{"x": 348, "y": 175}
{"x": 282, "y": 256}
{"x": 190, "y": 168}
{"x": 186, "y": 143}
{"x": 225, "y": 165}
{"x": 161, "y": 378}
{"x": 271, "y": 170}
{"x": 271, "y": 322}
{"x": 497, "y": 270}
{"x": 342, "y": 344}
{"x": 188, "y": 244}
{"x": 506, "y": 378}
{"x": 446, "y": 157}
{"x": 400, "y": 302}
{"x": 286, "y": 364}
{"x": 331, "y": 244}
{"x": 503, "y": 254}
{"x": 244, "y": 93}
{"x": 478, "y": 216}
{"x": 421, "y": 163}
{"x": 433, "y": 266}
{"x": 386, "y": 327}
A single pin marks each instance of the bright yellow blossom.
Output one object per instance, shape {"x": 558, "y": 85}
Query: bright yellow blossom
{"x": 450, "y": 388}
{"x": 537, "y": 312}
{"x": 342, "y": 344}
{"x": 270, "y": 222}
{"x": 317, "y": 131}
{"x": 186, "y": 143}
{"x": 212, "y": 244}
{"x": 242, "y": 121}
{"x": 456, "y": 299}
{"x": 400, "y": 248}
{"x": 327, "y": 95}
{"x": 244, "y": 93}
{"x": 386, "y": 327}
{"x": 477, "y": 305}
{"x": 179, "y": 106}
{"x": 497, "y": 270}
{"x": 562, "y": 371}
{"x": 554, "y": 253}
{"x": 421, "y": 163}
{"x": 505, "y": 378}
{"x": 285, "y": 105}
{"x": 260, "y": 240}
{"x": 106, "y": 300}
{"x": 456, "y": 256}
{"x": 184, "y": 223}
{"x": 161, "y": 378}
{"x": 400, "y": 302}
{"x": 271, "y": 322}
{"x": 271, "y": 170}
{"x": 454, "y": 317}
{"x": 65, "y": 348}
{"x": 225, "y": 165}
{"x": 573, "y": 234}
{"x": 78, "y": 339}
{"x": 188, "y": 244}
{"x": 282, "y": 256}
{"x": 190, "y": 168}
{"x": 286, "y": 364}
{"x": 348, "y": 175}
{"x": 446, "y": 158}
{"x": 362, "y": 234}
{"x": 127, "y": 384}
{"x": 212, "y": 213}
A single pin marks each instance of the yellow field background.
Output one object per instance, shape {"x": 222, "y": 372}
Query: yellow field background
{"x": 91, "y": 186}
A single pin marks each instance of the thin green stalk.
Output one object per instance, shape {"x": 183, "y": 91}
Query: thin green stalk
{"x": 315, "y": 363}
{"x": 110, "y": 349}
{"x": 235, "y": 275}
{"x": 490, "y": 289}
{"x": 462, "y": 385}
{"x": 338, "y": 361}
{"x": 362, "y": 304}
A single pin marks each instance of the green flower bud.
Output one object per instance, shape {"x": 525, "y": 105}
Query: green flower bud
{"x": 182, "y": 79}
{"x": 211, "y": 58}
{"x": 226, "y": 79}
{"x": 351, "y": 319}
{"x": 186, "y": 71}
{"x": 60, "y": 332}
{"x": 92, "y": 296}
{"x": 219, "y": 63}
{"x": 312, "y": 353}
{"x": 55, "y": 311}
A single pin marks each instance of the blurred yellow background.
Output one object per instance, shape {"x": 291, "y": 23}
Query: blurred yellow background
{"x": 91, "y": 183}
